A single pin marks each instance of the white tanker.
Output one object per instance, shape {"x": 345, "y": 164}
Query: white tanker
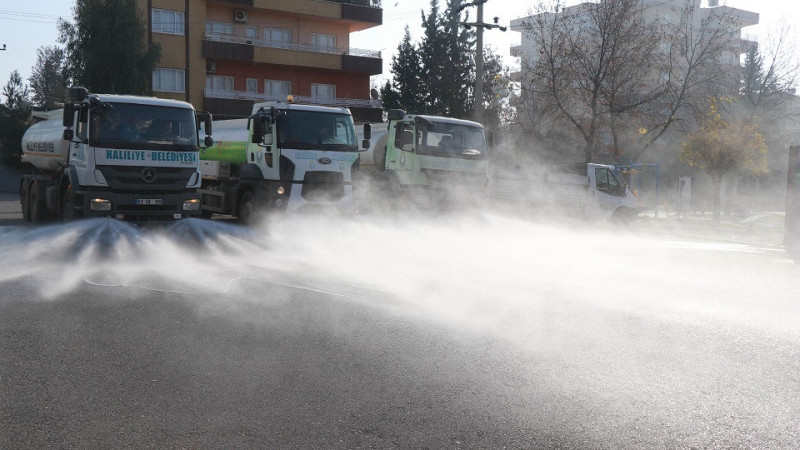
{"x": 128, "y": 157}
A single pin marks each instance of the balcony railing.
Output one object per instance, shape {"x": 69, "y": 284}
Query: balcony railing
{"x": 373, "y": 3}
{"x": 233, "y": 39}
{"x": 260, "y": 97}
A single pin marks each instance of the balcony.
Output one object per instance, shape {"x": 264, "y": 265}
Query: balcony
{"x": 241, "y": 48}
{"x": 219, "y": 37}
{"x": 360, "y": 14}
{"x": 373, "y": 3}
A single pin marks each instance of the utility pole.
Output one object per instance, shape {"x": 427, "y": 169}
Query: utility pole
{"x": 480, "y": 25}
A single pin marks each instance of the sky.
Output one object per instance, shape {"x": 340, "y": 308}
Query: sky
{"x": 27, "y": 26}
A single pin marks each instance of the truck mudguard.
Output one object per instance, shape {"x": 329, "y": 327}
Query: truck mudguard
{"x": 249, "y": 171}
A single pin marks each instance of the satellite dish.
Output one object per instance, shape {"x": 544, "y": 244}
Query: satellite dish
{"x": 373, "y": 93}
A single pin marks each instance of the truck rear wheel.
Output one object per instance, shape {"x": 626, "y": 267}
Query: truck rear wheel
{"x": 24, "y": 192}
{"x": 36, "y": 213}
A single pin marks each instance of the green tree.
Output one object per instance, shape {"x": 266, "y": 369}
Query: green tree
{"x": 390, "y": 99}
{"x": 458, "y": 80}
{"x": 722, "y": 146}
{"x": 106, "y": 47}
{"x": 406, "y": 73}
{"x": 446, "y": 50}
{"x": 47, "y": 78}
{"x": 14, "y": 115}
{"x": 433, "y": 53}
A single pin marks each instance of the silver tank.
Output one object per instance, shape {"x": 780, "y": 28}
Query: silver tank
{"x": 43, "y": 144}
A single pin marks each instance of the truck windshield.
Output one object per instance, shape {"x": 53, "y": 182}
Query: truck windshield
{"x": 452, "y": 140}
{"x": 126, "y": 125}
{"x": 317, "y": 131}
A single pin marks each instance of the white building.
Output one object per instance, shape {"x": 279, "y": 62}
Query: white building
{"x": 666, "y": 12}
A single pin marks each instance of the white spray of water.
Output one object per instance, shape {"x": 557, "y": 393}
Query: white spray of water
{"x": 483, "y": 271}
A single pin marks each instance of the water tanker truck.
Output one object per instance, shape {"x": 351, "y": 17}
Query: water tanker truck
{"x": 427, "y": 157}
{"x": 285, "y": 157}
{"x": 127, "y": 157}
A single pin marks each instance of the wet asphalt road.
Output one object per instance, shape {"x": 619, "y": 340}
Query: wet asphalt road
{"x": 301, "y": 361}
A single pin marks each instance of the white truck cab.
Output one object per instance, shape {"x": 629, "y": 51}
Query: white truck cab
{"x": 591, "y": 190}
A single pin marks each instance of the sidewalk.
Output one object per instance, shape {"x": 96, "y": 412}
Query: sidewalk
{"x": 764, "y": 229}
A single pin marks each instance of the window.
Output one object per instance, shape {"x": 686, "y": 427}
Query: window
{"x": 251, "y": 33}
{"x": 169, "y": 80}
{"x": 219, "y": 83}
{"x": 323, "y": 91}
{"x": 323, "y": 43}
{"x": 278, "y": 37}
{"x": 166, "y": 21}
{"x": 219, "y": 28}
{"x": 277, "y": 88}
{"x": 252, "y": 85}
{"x": 606, "y": 181}
{"x": 404, "y": 136}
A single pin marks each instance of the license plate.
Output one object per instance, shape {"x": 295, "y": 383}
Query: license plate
{"x": 149, "y": 201}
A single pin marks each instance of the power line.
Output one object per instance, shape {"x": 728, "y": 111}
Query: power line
{"x": 21, "y": 16}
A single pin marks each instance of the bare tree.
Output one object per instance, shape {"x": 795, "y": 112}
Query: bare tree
{"x": 590, "y": 65}
{"x": 621, "y": 73}
{"x": 700, "y": 49}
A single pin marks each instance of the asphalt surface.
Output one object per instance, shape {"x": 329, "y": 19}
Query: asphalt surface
{"x": 494, "y": 333}
{"x": 10, "y": 211}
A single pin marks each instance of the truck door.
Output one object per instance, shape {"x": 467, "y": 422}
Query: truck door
{"x": 266, "y": 156}
{"x": 401, "y": 155}
{"x": 605, "y": 189}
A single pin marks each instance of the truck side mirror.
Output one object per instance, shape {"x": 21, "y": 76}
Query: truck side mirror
{"x": 208, "y": 124}
{"x": 69, "y": 114}
{"x": 367, "y": 130}
{"x": 259, "y": 129}
{"x": 208, "y": 141}
{"x": 367, "y": 135}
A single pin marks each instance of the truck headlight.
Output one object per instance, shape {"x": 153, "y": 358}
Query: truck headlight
{"x": 281, "y": 190}
{"x": 100, "y": 204}
{"x": 193, "y": 204}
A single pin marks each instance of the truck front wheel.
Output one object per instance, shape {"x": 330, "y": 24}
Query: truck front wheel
{"x": 247, "y": 208}
{"x": 68, "y": 212}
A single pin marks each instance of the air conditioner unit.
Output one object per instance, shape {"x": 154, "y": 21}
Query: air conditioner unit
{"x": 240, "y": 15}
{"x": 211, "y": 67}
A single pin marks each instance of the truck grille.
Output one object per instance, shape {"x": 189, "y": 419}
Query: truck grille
{"x": 123, "y": 178}
{"x": 323, "y": 186}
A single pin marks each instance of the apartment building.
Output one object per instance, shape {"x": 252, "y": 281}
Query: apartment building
{"x": 667, "y": 13}
{"x": 224, "y": 55}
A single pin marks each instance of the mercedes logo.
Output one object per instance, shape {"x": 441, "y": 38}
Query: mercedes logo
{"x": 149, "y": 175}
{"x": 324, "y": 160}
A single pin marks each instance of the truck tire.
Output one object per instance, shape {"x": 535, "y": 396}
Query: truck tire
{"x": 68, "y": 213}
{"x": 24, "y": 191}
{"x": 35, "y": 206}
{"x": 246, "y": 208}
